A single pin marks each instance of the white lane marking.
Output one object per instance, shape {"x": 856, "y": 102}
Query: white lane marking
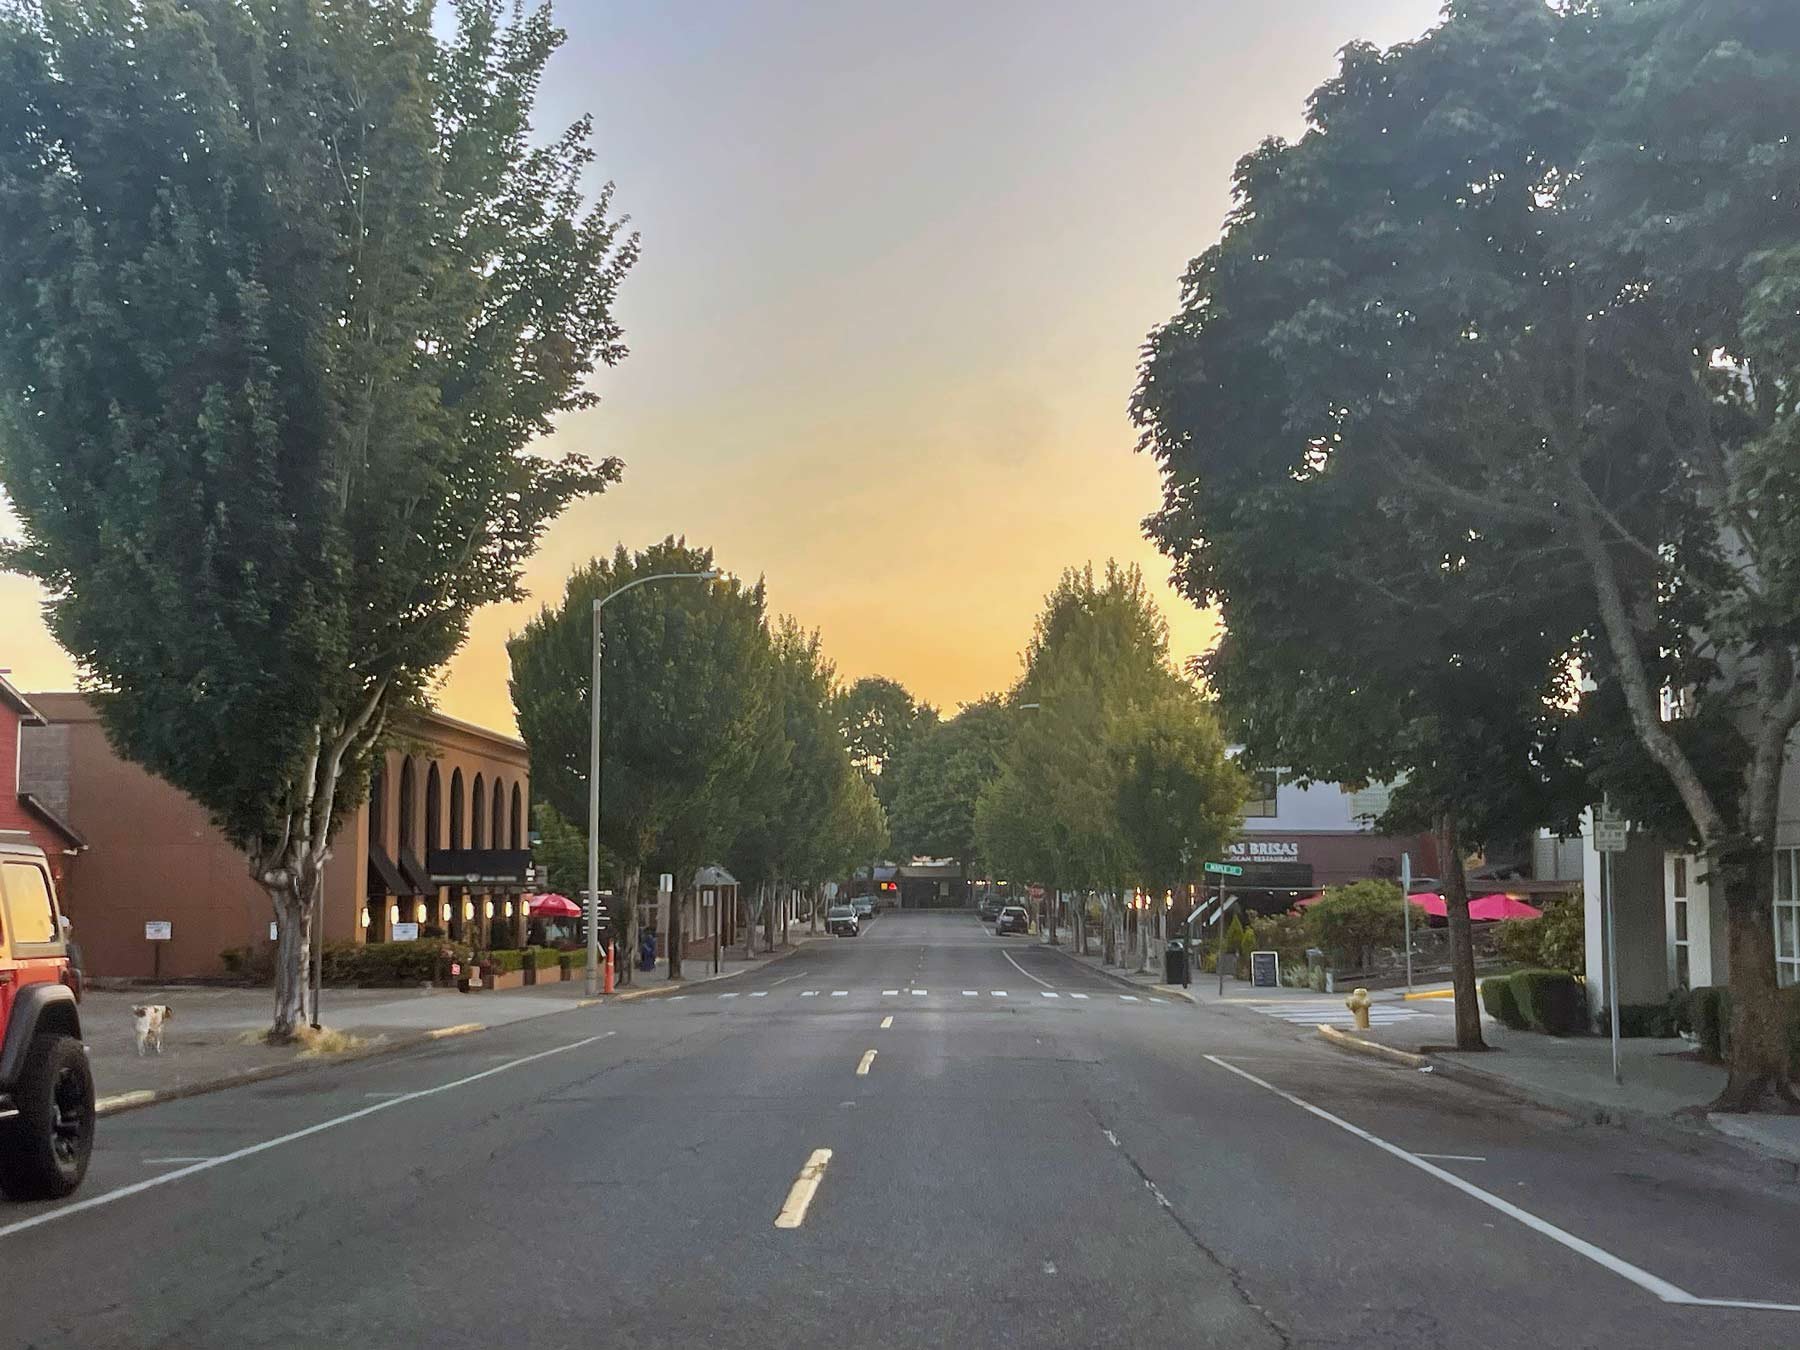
{"x": 784, "y": 979}
{"x": 971, "y": 993}
{"x": 1637, "y": 1275}
{"x": 1156, "y": 1190}
{"x": 1451, "y": 1157}
{"x": 862, "y": 1066}
{"x": 729, "y": 995}
{"x": 920, "y": 993}
{"x": 1048, "y": 993}
{"x": 887, "y": 1021}
{"x": 809, "y": 993}
{"x": 840, "y": 993}
{"x": 1049, "y": 1267}
{"x": 1077, "y": 995}
{"x": 800, "y": 1194}
{"x": 1026, "y": 973}
{"x": 1159, "y": 1000}
{"x": 1111, "y": 1138}
{"x": 250, "y": 1150}
{"x": 384, "y": 1094}
{"x": 889, "y": 993}
{"x": 166, "y": 1162}
{"x": 676, "y": 998}
{"x": 999, "y": 993}
{"x": 1129, "y": 998}
{"x": 760, "y": 993}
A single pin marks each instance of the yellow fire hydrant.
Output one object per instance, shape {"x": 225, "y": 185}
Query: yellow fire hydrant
{"x": 1358, "y": 1004}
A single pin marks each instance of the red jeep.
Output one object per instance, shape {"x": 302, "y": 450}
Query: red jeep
{"x": 46, "y": 1087}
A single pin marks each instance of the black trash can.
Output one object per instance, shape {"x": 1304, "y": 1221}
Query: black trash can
{"x": 1175, "y": 963}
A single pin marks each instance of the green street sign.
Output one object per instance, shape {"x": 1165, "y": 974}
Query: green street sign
{"x": 1225, "y": 869}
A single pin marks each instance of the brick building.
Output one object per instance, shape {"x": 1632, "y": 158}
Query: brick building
{"x": 24, "y": 811}
{"x": 442, "y": 841}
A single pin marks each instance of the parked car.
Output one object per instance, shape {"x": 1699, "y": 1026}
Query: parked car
{"x": 865, "y": 907}
{"x": 1012, "y": 919}
{"x": 841, "y": 921}
{"x": 989, "y": 908}
{"x": 46, "y": 1084}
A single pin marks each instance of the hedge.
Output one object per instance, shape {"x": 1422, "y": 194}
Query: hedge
{"x": 539, "y": 958}
{"x": 391, "y": 963}
{"x": 1551, "y": 1001}
{"x": 1497, "y": 997}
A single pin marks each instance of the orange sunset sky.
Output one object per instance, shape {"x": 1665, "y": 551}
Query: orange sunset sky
{"x": 897, "y": 263}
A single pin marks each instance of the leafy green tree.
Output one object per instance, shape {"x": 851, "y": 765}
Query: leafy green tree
{"x": 1180, "y": 797}
{"x": 685, "y": 712}
{"x": 288, "y": 293}
{"x": 1351, "y": 921}
{"x": 1501, "y": 285}
{"x": 561, "y": 850}
{"x": 941, "y": 776}
{"x": 880, "y": 720}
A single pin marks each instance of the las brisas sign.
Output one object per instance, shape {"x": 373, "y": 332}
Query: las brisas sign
{"x": 1264, "y": 850}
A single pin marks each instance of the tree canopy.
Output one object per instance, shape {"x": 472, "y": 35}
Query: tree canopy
{"x": 289, "y": 292}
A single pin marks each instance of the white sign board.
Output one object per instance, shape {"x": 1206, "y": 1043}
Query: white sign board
{"x": 406, "y": 932}
{"x": 274, "y": 930}
{"x": 666, "y": 883}
{"x": 158, "y": 930}
{"x": 1610, "y": 835}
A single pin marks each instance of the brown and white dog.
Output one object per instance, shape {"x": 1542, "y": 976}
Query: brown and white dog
{"x": 148, "y": 1019}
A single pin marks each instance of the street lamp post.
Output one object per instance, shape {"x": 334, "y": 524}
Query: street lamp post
{"x": 593, "y": 861}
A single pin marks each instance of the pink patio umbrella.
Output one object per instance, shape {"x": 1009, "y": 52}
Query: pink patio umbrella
{"x": 553, "y": 907}
{"x": 1499, "y": 905}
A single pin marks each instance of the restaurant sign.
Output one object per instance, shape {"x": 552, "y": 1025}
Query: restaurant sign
{"x": 1264, "y": 850}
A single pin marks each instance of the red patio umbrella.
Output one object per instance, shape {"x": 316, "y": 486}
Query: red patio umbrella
{"x": 1499, "y": 905}
{"x": 553, "y": 907}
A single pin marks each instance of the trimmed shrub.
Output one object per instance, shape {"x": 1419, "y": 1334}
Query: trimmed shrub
{"x": 1556, "y": 940}
{"x": 379, "y": 964}
{"x": 1550, "y": 1001}
{"x": 1246, "y": 944}
{"x": 1497, "y": 997}
{"x": 1284, "y": 934}
{"x": 1710, "y": 1007}
{"x": 1638, "y": 1019}
{"x": 251, "y": 963}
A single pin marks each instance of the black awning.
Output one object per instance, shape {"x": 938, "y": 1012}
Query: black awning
{"x": 384, "y": 877}
{"x": 417, "y": 878}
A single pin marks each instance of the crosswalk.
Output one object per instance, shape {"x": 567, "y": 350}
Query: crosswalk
{"x": 1059, "y": 996}
{"x": 1336, "y": 1015}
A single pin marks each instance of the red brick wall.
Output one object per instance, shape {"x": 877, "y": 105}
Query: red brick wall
{"x": 13, "y": 815}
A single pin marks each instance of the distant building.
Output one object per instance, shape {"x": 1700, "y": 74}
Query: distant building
{"x": 441, "y": 842}
{"x": 42, "y": 821}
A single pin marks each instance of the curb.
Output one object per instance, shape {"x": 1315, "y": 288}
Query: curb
{"x": 1345, "y": 1041}
{"x": 1430, "y": 993}
{"x": 131, "y": 1101}
{"x": 1114, "y": 976}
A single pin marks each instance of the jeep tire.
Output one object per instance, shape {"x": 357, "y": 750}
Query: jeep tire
{"x": 44, "y": 1149}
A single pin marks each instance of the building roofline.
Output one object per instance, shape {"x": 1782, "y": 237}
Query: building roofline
{"x": 432, "y": 717}
{"x": 29, "y": 715}
{"x": 37, "y": 806}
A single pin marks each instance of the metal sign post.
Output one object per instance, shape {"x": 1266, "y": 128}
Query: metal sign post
{"x": 1406, "y": 911}
{"x": 1611, "y": 835}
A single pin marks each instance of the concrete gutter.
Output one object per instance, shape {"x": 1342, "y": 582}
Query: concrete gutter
{"x": 132, "y": 1101}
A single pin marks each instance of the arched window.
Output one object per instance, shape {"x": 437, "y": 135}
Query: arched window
{"x": 497, "y": 837}
{"x": 408, "y": 804}
{"x": 378, "y": 806}
{"x": 434, "y": 809}
{"x": 518, "y": 818}
{"x": 478, "y": 814}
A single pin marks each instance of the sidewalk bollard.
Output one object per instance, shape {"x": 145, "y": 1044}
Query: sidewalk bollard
{"x": 607, "y": 987}
{"x": 1358, "y": 1004}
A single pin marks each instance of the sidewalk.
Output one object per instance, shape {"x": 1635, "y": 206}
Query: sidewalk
{"x": 1663, "y": 1089}
{"x": 209, "y": 1043}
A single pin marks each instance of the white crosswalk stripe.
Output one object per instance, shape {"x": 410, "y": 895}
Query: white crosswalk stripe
{"x": 1077, "y": 995}
{"x": 840, "y": 993}
{"x": 1328, "y": 1015}
{"x": 1000, "y": 993}
{"x": 920, "y": 993}
{"x": 970, "y": 993}
{"x": 1049, "y": 993}
{"x": 760, "y": 993}
{"x": 1303, "y": 1014}
{"x": 728, "y": 995}
{"x": 809, "y": 993}
{"x": 889, "y": 993}
{"x": 1129, "y": 998}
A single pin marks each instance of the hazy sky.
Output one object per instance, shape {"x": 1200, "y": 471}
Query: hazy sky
{"x": 897, "y": 263}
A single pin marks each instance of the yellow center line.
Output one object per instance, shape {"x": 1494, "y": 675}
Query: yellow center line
{"x": 887, "y": 1021}
{"x": 800, "y": 1195}
{"x": 862, "y": 1069}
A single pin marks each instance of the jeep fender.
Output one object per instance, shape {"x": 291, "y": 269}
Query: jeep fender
{"x": 36, "y": 1007}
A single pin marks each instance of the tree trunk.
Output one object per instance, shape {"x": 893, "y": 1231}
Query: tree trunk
{"x": 770, "y": 905}
{"x": 677, "y": 899}
{"x": 623, "y": 969}
{"x": 1462, "y": 951}
{"x": 1759, "y": 1078}
{"x": 293, "y": 952}
{"x": 747, "y": 904}
{"x": 1109, "y": 947}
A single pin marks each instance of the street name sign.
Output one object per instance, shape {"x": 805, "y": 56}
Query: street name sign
{"x": 1224, "y": 869}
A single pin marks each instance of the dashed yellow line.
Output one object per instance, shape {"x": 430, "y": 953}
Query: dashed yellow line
{"x": 862, "y": 1069}
{"x": 806, "y": 1185}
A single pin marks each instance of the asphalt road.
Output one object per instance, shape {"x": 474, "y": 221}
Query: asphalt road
{"x": 1011, "y": 1169}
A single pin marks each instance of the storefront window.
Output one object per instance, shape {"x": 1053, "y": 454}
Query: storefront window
{"x": 1787, "y": 915}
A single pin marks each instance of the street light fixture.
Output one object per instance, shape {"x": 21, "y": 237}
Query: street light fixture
{"x": 593, "y": 875}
